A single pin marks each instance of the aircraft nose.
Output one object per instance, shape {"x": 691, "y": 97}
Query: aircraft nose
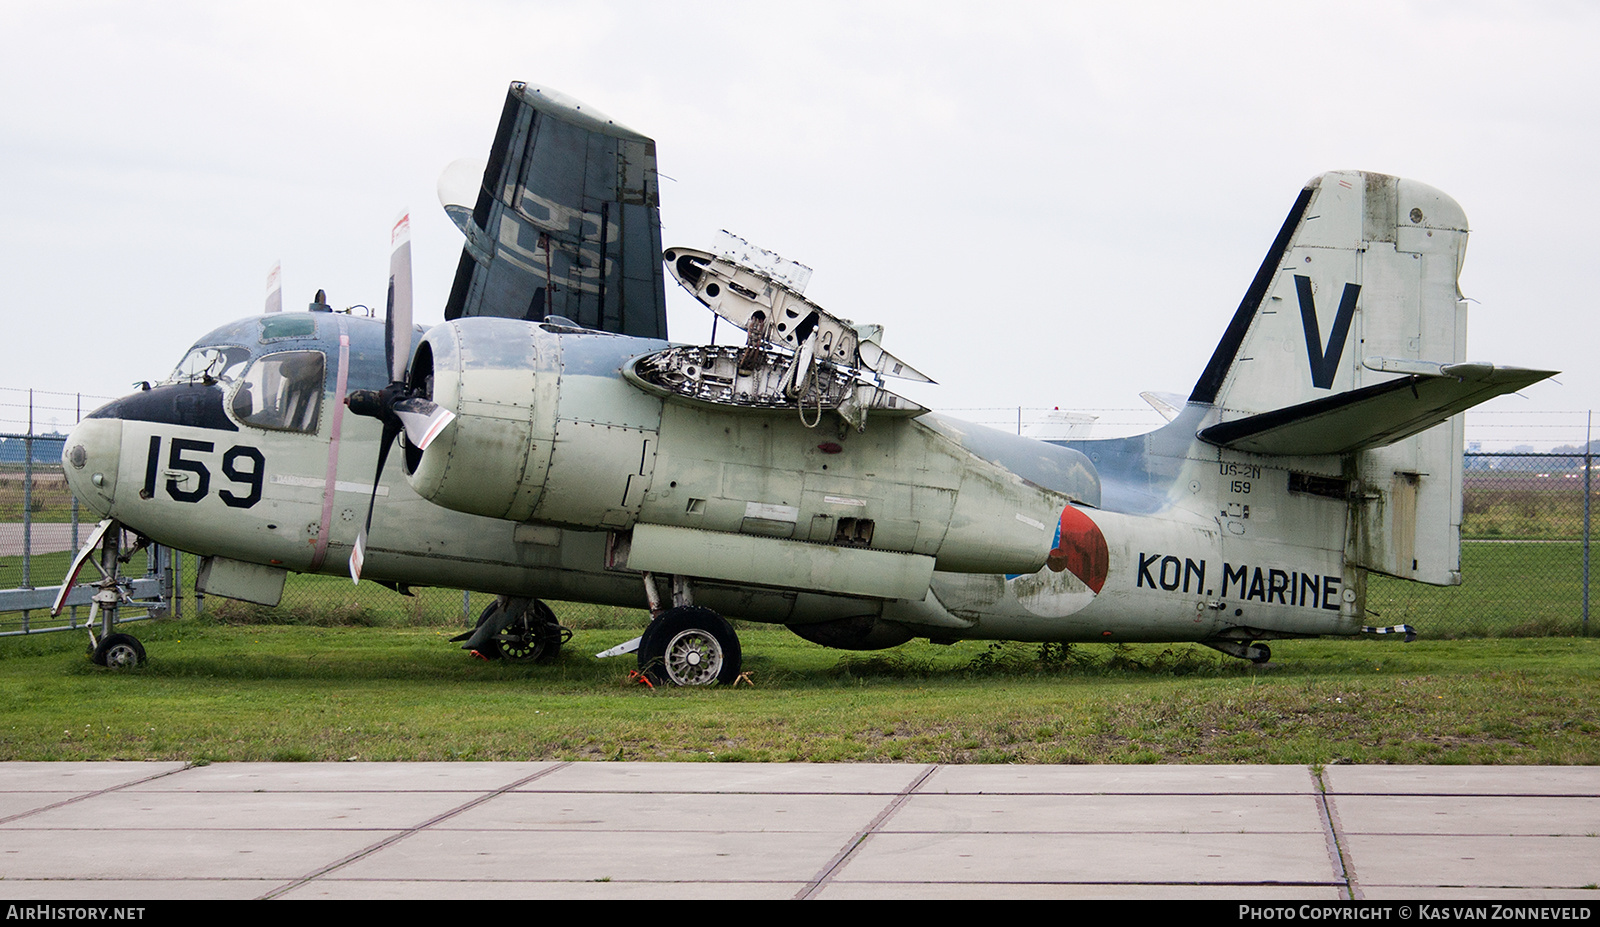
{"x": 90, "y": 458}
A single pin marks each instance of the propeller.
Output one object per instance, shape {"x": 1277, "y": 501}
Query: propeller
{"x": 275, "y": 288}
{"x": 399, "y": 406}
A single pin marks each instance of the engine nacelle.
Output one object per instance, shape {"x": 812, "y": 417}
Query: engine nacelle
{"x": 545, "y": 428}
{"x": 549, "y": 430}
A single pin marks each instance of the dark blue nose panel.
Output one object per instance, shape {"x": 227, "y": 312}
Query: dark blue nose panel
{"x": 195, "y": 405}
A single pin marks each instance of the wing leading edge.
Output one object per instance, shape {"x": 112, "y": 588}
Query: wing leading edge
{"x": 567, "y": 222}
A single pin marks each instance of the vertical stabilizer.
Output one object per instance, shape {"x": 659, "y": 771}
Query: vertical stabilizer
{"x": 1350, "y": 343}
{"x": 1358, "y": 289}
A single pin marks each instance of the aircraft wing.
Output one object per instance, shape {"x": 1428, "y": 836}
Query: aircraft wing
{"x": 565, "y": 222}
{"x": 1372, "y": 416}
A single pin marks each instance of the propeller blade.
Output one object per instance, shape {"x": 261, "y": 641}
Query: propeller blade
{"x": 358, "y": 554}
{"x": 275, "y": 288}
{"x": 420, "y": 419}
{"x": 423, "y": 421}
{"x": 398, "y": 320}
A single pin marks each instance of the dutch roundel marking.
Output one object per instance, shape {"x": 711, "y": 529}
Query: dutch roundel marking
{"x": 189, "y": 476}
{"x": 1080, "y": 549}
{"x": 1074, "y": 572}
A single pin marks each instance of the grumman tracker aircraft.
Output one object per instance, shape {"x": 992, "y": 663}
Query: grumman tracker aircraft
{"x": 554, "y": 446}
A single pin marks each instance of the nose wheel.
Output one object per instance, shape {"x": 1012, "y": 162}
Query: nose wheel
{"x": 118, "y": 651}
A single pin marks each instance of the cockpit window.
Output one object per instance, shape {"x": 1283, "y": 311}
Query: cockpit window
{"x": 281, "y": 391}
{"x": 216, "y": 363}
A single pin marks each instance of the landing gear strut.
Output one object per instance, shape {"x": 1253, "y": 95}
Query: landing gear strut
{"x": 111, "y": 649}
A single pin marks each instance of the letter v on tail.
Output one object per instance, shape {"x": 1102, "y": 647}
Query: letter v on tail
{"x": 1325, "y": 361}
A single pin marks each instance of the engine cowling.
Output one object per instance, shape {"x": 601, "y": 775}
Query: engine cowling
{"x": 549, "y": 430}
{"x": 545, "y": 429}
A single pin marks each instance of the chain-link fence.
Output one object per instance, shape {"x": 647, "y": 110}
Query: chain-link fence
{"x": 1526, "y": 531}
{"x": 1526, "y": 528}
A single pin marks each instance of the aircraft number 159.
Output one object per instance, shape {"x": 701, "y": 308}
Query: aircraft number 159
{"x": 241, "y": 464}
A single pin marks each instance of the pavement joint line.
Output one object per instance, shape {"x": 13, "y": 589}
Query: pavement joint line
{"x": 825, "y": 876}
{"x": 407, "y": 832}
{"x": 1331, "y": 830}
{"x": 97, "y": 793}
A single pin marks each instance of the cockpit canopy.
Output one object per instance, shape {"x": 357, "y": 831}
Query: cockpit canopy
{"x": 219, "y": 363}
{"x": 280, "y": 391}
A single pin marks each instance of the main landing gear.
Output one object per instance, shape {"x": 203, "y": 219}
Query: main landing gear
{"x": 517, "y": 629}
{"x": 684, "y": 644}
{"x": 687, "y": 644}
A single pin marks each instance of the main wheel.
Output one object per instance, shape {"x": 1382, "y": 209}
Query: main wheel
{"x": 532, "y": 637}
{"x": 690, "y": 646}
{"x": 119, "y": 651}
{"x": 1262, "y": 654}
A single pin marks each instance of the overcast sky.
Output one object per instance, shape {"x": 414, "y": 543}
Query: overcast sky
{"x": 1045, "y": 204}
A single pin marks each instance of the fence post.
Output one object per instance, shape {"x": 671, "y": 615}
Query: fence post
{"x": 1588, "y": 497}
{"x": 27, "y": 507}
{"x": 77, "y": 417}
{"x": 177, "y": 584}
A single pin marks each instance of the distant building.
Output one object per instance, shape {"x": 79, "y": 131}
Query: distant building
{"x": 46, "y": 449}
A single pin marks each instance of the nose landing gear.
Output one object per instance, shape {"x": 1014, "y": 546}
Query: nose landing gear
{"x": 113, "y": 650}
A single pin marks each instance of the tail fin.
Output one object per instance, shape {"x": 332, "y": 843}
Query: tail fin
{"x": 1351, "y": 341}
{"x": 1356, "y": 300}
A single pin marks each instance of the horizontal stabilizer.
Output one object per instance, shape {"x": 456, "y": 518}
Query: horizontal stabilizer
{"x": 1168, "y": 404}
{"x": 1373, "y": 416}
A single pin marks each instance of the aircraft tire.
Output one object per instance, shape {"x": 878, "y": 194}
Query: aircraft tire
{"x": 119, "y": 651}
{"x": 1263, "y": 655}
{"x": 690, "y": 646}
{"x": 540, "y": 643}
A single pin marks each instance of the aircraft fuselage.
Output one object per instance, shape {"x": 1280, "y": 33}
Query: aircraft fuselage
{"x": 1003, "y": 537}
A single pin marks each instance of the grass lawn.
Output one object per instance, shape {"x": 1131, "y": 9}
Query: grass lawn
{"x": 215, "y": 691}
{"x": 360, "y": 673}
